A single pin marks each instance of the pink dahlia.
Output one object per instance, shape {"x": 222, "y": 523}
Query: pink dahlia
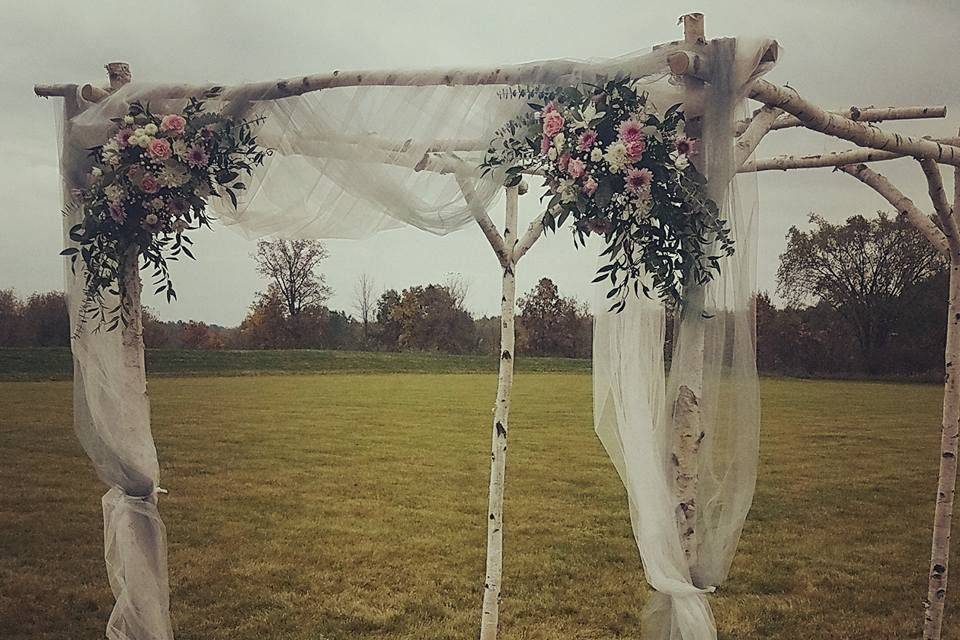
{"x": 587, "y": 138}
{"x": 631, "y": 130}
{"x": 552, "y": 123}
{"x": 576, "y": 168}
{"x": 590, "y": 186}
{"x": 159, "y": 149}
{"x": 173, "y": 123}
{"x": 197, "y": 157}
{"x": 123, "y": 137}
{"x": 686, "y": 146}
{"x": 638, "y": 180}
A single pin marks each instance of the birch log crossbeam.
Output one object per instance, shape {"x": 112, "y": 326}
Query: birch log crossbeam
{"x": 818, "y": 119}
{"x": 867, "y": 114}
{"x": 827, "y": 160}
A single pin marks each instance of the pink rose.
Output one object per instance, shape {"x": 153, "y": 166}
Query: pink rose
{"x": 173, "y": 123}
{"x": 576, "y": 168}
{"x": 587, "y": 138}
{"x": 552, "y": 123}
{"x": 149, "y": 184}
{"x": 159, "y": 149}
{"x": 590, "y": 186}
{"x": 635, "y": 148}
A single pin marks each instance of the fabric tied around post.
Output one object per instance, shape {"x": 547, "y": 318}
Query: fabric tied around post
{"x": 713, "y": 362}
{"x": 135, "y": 551}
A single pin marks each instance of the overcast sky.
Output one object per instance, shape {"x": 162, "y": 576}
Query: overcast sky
{"x": 835, "y": 53}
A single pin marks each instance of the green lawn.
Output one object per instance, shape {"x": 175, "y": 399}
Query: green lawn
{"x": 352, "y": 506}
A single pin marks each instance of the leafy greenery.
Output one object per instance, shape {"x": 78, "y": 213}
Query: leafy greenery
{"x": 619, "y": 169}
{"x": 149, "y": 187}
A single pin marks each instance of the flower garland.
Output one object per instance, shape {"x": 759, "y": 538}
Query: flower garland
{"x": 149, "y": 186}
{"x": 621, "y": 170}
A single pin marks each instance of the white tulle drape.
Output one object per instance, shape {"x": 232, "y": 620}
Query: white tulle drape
{"x": 352, "y": 161}
{"x": 112, "y": 421}
{"x": 713, "y": 355}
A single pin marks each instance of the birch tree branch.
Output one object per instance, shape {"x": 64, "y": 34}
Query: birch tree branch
{"x": 818, "y": 119}
{"x": 533, "y": 233}
{"x": 902, "y": 203}
{"x": 833, "y": 159}
{"x": 939, "y": 198}
{"x": 759, "y": 126}
{"x": 867, "y": 114}
{"x": 484, "y": 222}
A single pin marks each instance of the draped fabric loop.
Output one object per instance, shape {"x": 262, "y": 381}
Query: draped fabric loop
{"x": 348, "y": 162}
{"x": 713, "y": 357}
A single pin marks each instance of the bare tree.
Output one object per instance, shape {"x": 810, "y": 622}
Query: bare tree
{"x": 291, "y": 267}
{"x": 365, "y": 300}
{"x": 457, "y": 287}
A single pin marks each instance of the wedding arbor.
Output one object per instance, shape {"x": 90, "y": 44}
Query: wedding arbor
{"x": 360, "y": 152}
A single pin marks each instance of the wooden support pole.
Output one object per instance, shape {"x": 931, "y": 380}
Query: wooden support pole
{"x": 688, "y": 390}
{"x": 501, "y": 412}
{"x": 949, "y": 435}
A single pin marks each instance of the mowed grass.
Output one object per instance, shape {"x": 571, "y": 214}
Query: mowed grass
{"x": 353, "y": 506}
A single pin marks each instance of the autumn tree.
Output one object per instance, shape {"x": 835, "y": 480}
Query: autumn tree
{"x": 44, "y": 316}
{"x": 871, "y": 272}
{"x": 551, "y": 324}
{"x": 10, "y": 313}
{"x": 292, "y": 269}
{"x": 425, "y": 318}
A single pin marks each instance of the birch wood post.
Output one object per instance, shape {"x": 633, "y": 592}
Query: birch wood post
{"x": 950, "y": 429}
{"x": 501, "y": 412}
{"x": 686, "y": 414}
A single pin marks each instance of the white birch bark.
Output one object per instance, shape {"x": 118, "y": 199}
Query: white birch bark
{"x": 901, "y": 203}
{"x": 940, "y": 549}
{"x": 867, "y": 114}
{"x": 950, "y": 430}
{"x": 501, "y": 412}
{"x": 833, "y": 159}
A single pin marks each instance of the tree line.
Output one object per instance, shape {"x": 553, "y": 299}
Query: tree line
{"x": 862, "y": 296}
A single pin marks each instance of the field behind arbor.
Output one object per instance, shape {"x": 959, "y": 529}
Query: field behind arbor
{"x": 351, "y": 505}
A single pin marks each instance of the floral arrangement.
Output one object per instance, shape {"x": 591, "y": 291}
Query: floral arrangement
{"x": 148, "y": 188}
{"x": 622, "y": 170}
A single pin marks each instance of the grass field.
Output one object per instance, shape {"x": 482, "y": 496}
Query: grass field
{"x": 352, "y": 506}
{"x": 56, "y": 364}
